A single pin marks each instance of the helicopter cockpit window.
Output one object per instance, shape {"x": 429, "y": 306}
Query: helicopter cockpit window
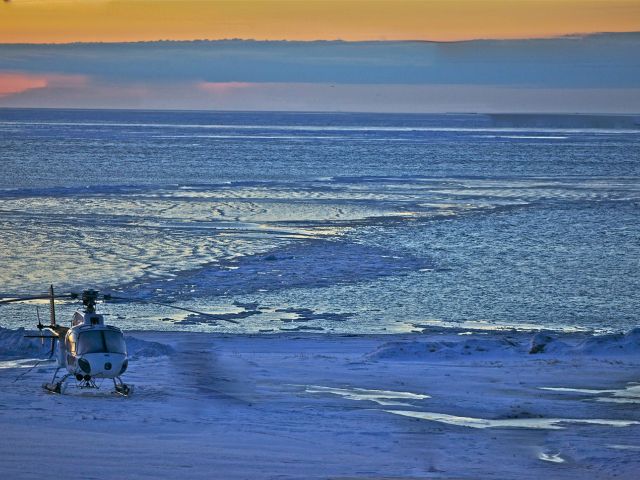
{"x": 101, "y": 341}
{"x": 115, "y": 342}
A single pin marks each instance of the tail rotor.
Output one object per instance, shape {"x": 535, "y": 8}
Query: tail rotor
{"x": 40, "y": 326}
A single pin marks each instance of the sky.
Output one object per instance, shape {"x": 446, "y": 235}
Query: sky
{"x": 60, "y": 21}
{"x": 392, "y": 55}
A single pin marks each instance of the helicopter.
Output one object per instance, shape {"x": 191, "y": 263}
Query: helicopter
{"x": 88, "y": 349}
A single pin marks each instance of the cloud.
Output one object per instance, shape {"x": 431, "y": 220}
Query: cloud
{"x": 579, "y": 74}
{"x": 223, "y": 88}
{"x": 591, "y": 62}
{"x": 328, "y": 97}
{"x": 12, "y": 83}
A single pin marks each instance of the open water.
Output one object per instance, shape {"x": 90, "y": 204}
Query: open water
{"x": 351, "y": 223}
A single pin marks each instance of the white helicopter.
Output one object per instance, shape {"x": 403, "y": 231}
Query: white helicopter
{"x": 88, "y": 349}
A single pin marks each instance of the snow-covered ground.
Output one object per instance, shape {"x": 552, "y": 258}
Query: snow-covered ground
{"x": 440, "y": 404}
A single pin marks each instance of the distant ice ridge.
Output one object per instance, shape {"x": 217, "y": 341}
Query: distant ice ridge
{"x": 511, "y": 344}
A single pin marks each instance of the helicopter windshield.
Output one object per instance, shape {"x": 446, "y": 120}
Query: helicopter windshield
{"x": 101, "y": 341}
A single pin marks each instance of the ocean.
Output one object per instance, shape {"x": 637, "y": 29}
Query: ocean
{"x": 322, "y": 222}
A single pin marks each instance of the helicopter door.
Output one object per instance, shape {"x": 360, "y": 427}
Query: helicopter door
{"x": 68, "y": 346}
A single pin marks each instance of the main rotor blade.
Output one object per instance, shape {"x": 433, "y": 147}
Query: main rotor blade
{"x": 140, "y": 300}
{"x": 35, "y": 297}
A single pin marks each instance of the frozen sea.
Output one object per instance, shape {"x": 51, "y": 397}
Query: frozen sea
{"x": 350, "y": 223}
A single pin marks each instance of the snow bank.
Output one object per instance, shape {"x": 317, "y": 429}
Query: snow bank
{"x": 293, "y": 406}
{"x": 616, "y": 344}
{"x": 137, "y": 348}
{"x": 500, "y": 345}
{"x": 546, "y": 342}
{"x": 445, "y": 348}
{"x": 593, "y": 345}
{"x": 14, "y": 345}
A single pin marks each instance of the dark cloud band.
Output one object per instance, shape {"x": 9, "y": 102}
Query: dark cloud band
{"x": 597, "y": 61}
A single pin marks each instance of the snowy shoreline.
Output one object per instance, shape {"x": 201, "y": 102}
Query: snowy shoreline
{"x": 430, "y": 343}
{"x": 442, "y": 404}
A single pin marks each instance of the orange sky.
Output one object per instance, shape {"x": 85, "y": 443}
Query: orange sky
{"x": 60, "y": 21}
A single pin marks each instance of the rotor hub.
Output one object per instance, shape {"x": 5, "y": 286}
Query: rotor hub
{"x": 89, "y": 299}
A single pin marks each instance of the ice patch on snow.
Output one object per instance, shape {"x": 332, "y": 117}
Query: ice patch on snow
{"x": 531, "y": 423}
{"x": 551, "y": 457}
{"x": 381, "y": 397}
{"x": 635, "y": 448}
{"x": 20, "y": 363}
{"x": 575, "y": 390}
{"x": 629, "y": 394}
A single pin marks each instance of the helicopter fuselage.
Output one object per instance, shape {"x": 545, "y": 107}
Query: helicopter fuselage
{"x": 91, "y": 349}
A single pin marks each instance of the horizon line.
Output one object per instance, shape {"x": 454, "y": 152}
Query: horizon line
{"x": 567, "y": 36}
{"x": 333, "y": 112}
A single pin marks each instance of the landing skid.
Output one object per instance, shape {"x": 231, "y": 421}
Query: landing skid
{"x": 122, "y": 388}
{"x": 56, "y": 387}
{"x": 53, "y": 387}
